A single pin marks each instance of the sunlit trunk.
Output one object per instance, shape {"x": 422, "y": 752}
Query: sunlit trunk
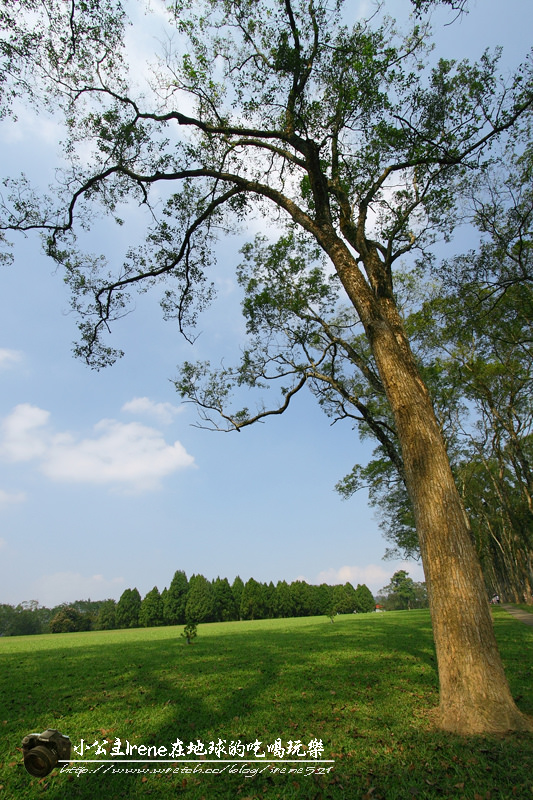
{"x": 474, "y": 693}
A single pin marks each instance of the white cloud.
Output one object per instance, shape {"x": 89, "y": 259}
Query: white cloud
{"x": 9, "y": 498}
{"x": 23, "y": 435}
{"x": 131, "y": 456}
{"x": 9, "y": 357}
{"x": 375, "y": 576}
{"x": 65, "y": 587}
{"x": 164, "y": 412}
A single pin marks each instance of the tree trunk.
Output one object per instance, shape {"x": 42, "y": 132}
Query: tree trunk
{"x": 474, "y": 693}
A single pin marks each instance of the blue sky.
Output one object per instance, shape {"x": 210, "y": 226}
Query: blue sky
{"x": 104, "y": 482}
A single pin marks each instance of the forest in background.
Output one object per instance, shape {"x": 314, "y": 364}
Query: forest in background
{"x": 198, "y": 600}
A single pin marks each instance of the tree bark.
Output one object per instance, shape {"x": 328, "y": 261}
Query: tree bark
{"x": 474, "y": 693}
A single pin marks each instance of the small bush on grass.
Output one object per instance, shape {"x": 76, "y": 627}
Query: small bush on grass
{"x": 190, "y": 632}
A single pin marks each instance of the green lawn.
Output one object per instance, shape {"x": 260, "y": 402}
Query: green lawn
{"x": 365, "y": 685}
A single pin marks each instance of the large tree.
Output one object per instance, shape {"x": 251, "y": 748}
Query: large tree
{"x": 343, "y": 135}
{"x": 472, "y": 333}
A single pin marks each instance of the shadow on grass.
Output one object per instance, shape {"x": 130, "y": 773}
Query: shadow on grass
{"x": 364, "y": 686}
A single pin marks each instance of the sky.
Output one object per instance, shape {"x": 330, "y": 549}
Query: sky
{"x": 106, "y": 483}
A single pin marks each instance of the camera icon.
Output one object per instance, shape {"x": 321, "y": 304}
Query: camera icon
{"x": 43, "y": 751}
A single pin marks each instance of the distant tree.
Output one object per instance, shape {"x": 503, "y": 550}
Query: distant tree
{"x": 269, "y": 593}
{"x": 44, "y": 615}
{"x": 28, "y": 605}
{"x": 200, "y": 606}
{"x": 421, "y": 599}
{"x": 87, "y": 607}
{"x": 224, "y": 601}
{"x": 237, "y": 588}
{"x": 106, "y": 619}
{"x": 253, "y": 601}
{"x": 301, "y": 598}
{"x": 175, "y": 599}
{"x": 151, "y": 611}
{"x": 283, "y": 603}
{"x": 339, "y": 600}
{"x": 128, "y": 607}
{"x": 344, "y": 598}
{"x": 23, "y": 622}
{"x": 68, "y": 620}
{"x": 323, "y": 598}
{"x": 164, "y": 596}
{"x": 351, "y": 595}
{"x": 400, "y": 593}
{"x": 364, "y": 599}
{"x": 7, "y": 613}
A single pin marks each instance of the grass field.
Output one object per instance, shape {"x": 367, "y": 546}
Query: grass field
{"x": 365, "y": 685}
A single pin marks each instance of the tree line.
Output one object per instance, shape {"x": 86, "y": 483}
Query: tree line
{"x": 194, "y": 600}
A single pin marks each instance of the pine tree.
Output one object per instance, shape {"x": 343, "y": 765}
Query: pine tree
{"x": 200, "y": 606}
{"x": 364, "y": 599}
{"x": 128, "y": 607}
{"x": 151, "y": 611}
{"x": 175, "y": 599}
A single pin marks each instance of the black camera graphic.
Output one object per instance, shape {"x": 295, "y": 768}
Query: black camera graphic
{"x": 42, "y": 751}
